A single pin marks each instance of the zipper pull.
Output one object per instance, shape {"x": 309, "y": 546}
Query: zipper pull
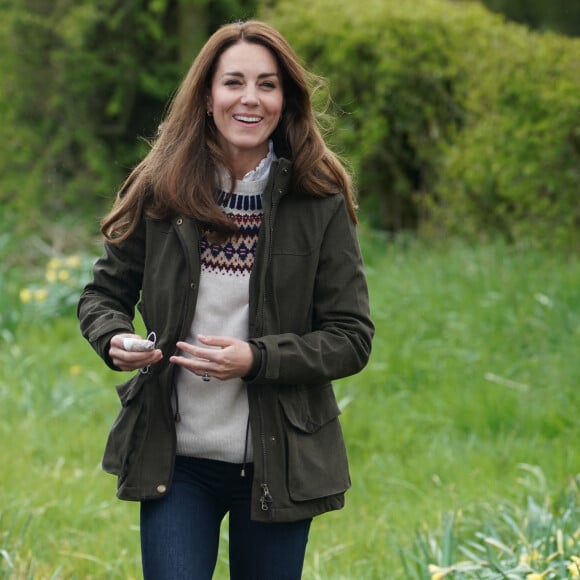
{"x": 266, "y": 498}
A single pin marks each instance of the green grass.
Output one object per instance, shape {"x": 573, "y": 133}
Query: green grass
{"x": 471, "y": 387}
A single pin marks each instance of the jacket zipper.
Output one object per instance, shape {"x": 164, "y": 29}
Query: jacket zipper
{"x": 177, "y": 416}
{"x": 266, "y": 498}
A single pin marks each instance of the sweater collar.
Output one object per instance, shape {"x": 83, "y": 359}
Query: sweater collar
{"x": 263, "y": 168}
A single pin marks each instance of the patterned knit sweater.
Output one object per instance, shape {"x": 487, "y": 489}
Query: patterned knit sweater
{"x": 214, "y": 414}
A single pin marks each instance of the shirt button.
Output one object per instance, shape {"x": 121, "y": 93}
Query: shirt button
{"x": 192, "y": 285}
{"x": 179, "y": 221}
{"x": 161, "y": 488}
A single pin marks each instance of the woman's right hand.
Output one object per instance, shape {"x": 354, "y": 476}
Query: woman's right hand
{"x": 126, "y": 360}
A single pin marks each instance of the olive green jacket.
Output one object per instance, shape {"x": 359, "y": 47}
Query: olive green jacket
{"x": 309, "y": 324}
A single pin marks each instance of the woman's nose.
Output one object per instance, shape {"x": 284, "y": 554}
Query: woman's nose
{"x": 250, "y": 96}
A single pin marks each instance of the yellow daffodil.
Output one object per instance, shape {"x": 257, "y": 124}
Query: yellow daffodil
{"x": 25, "y": 295}
{"x": 438, "y": 573}
{"x": 73, "y": 261}
{"x": 75, "y": 370}
{"x": 41, "y": 294}
{"x": 50, "y": 276}
{"x": 63, "y": 275}
{"x": 536, "y": 576}
{"x": 54, "y": 264}
{"x": 574, "y": 571}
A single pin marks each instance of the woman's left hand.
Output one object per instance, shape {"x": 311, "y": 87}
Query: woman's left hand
{"x": 221, "y": 357}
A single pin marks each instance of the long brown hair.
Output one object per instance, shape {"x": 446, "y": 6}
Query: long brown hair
{"x": 178, "y": 175}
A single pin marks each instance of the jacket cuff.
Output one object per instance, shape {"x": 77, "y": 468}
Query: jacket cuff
{"x": 256, "y": 364}
{"x": 104, "y": 344}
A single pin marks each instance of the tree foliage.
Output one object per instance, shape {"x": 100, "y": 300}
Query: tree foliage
{"x": 556, "y": 15}
{"x": 455, "y": 120}
{"x": 514, "y": 168}
{"x": 84, "y": 83}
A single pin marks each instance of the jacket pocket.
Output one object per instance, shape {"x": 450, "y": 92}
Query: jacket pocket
{"x": 316, "y": 455}
{"x": 120, "y": 441}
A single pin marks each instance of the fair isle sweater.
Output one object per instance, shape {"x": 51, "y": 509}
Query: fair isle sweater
{"x": 214, "y": 414}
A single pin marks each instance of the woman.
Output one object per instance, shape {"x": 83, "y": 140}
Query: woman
{"x": 236, "y": 238}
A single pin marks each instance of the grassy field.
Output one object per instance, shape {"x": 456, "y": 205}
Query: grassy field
{"x": 467, "y": 412}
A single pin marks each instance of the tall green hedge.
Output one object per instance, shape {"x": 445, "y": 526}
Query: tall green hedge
{"x": 393, "y": 75}
{"x": 514, "y": 168}
{"x": 455, "y": 120}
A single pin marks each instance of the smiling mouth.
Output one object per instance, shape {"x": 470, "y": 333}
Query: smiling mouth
{"x": 249, "y": 119}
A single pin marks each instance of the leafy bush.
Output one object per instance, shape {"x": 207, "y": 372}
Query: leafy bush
{"x": 455, "y": 121}
{"x": 393, "y": 73}
{"x": 558, "y": 15}
{"x": 514, "y": 168}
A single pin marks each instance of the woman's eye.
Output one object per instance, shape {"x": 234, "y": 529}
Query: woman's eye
{"x": 231, "y": 82}
{"x": 269, "y": 85}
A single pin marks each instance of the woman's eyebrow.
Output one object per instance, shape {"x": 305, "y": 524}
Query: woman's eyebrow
{"x": 241, "y": 75}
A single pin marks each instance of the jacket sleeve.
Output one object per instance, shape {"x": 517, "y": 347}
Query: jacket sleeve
{"x": 339, "y": 344}
{"x": 107, "y": 304}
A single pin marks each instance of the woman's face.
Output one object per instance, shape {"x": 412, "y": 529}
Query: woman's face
{"x": 246, "y": 102}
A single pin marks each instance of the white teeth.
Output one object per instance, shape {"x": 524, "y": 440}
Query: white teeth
{"x": 247, "y": 119}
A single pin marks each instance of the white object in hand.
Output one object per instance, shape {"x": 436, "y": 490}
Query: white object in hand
{"x": 137, "y": 344}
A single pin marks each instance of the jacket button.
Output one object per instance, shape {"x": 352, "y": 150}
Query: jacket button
{"x": 192, "y": 285}
{"x": 285, "y": 171}
{"x": 161, "y": 488}
{"x": 179, "y": 221}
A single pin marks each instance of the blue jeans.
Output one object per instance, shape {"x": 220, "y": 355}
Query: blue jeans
{"x": 180, "y": 532}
